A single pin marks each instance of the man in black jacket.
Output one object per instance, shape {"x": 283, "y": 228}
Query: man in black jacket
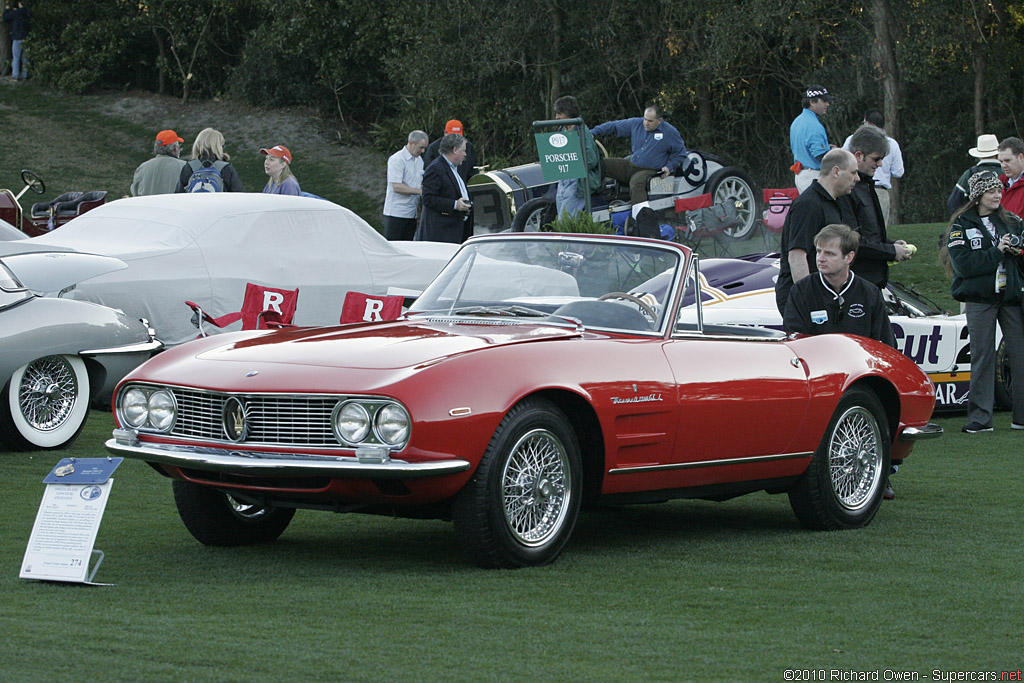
{"x": 446, "y": 204}
{"x": 815, "y": 208}
{"x": 869, "y": 146}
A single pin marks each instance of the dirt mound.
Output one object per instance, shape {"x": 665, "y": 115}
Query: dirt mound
{"x": 253, "y": 127}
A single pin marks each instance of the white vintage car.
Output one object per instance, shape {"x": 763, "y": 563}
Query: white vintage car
{"x": 205, "y": 248}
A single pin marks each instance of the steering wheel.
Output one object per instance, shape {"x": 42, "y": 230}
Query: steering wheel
{"x": 644, "y": 306}
{"x": 33, "y": 181}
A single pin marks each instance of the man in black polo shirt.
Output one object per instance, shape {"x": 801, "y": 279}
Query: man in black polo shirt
{"x": 834, "y": 299}
{"x": 869, "y": 146}
{"x": 811, "y": 211}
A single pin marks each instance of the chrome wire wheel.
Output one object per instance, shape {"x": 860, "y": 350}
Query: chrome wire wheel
{"x": 855, "y": 459}
{"x": 47, "y": 393}
{"x": 536, "y": 487}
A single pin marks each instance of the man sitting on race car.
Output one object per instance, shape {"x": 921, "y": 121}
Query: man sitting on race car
{"x": 658, "y": 149}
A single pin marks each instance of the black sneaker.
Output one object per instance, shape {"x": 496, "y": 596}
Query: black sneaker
{"x": 974, "y": 428}
{"x": 888, "y": 494}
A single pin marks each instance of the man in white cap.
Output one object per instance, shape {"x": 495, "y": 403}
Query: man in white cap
{"x": 807, "y": 137}
{"x": 160, "y": 174}
{"x": 987, "y": 152}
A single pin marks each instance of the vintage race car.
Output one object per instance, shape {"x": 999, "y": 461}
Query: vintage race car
{"x": 55, "y": 354}
{"x": 742, "y": 291}
{"x": 525, "y": 381}
{"x": 519, "y": 198}
{"x": 206, "y": 247}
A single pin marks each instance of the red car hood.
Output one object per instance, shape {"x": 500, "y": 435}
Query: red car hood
{"x": 391, "y": 345}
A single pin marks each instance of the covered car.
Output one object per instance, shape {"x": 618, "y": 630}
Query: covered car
{"x": 536, "y": 372}
{"x": 206, "y": 247}
{"x": 56, "y": 354}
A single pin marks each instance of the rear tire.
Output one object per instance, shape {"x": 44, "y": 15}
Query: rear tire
{"x": 215, "y": 518}
{"x": 843, "y": 486}
{"x": 732, "y": 184}
{"x": 535, "y": 215}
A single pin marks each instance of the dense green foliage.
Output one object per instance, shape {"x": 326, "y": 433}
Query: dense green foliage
{"x": 729, "y": 74}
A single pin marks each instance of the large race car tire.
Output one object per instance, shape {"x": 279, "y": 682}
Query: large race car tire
{"x": 732, "y": 184}
{"x": 520, "y": 507}
{"x": 535, "y": 215}
{"x": 45, "y": 404}
{"x": 217, "y": 519}
{"x": 1004, "y": 378}
{"x": 843, "y": 486}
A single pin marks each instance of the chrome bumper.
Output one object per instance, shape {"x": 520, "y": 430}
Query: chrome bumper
{"x": 929, "y": 431}
{"x": 286, "y": 464}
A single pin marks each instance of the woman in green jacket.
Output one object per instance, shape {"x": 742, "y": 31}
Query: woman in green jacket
{"x": 987, "y": 278}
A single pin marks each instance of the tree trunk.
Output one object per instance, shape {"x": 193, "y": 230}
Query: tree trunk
{"x": 892, "y": 88}
{"x": 162, "y": 62}
{"x": 554, "y": 69}
{"x": 979, "y": 87}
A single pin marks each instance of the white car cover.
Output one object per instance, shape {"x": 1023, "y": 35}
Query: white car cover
{"x": 206, "y": 247}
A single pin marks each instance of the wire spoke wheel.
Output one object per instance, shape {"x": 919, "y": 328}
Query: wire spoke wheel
{"x": 47, "y": 393}
{"x": 855, "y": 458}
{"x": 843, "y": 485}
{"x": 520, "y": 507}
{"x": 45, "y": 403}
{"x": 535, "y": 487}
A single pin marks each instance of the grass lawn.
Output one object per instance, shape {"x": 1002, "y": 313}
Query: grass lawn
{"x": 688, "y": 590}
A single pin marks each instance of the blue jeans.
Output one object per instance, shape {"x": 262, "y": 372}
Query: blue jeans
{"x": 19, "y": 66}
{"x": 566, "y": 199}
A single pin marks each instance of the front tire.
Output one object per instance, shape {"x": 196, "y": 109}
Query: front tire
{"x": 535, "y": 215}
{"x": 520, "y": 507}
{"x": 217, "y": 519}
{"x": 843, "y": 486}
{"x": 732, "y": 184}
{"x": 45, "y": 404}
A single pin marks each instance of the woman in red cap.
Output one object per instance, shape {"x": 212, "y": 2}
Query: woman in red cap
{"x": 278, "y": 167}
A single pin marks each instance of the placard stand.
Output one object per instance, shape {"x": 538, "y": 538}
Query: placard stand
{"x": 61, "y": 545}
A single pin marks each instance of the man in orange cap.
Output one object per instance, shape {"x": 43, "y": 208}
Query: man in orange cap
{"x": 160, "y": 174}
{"x": 466, "y": 169}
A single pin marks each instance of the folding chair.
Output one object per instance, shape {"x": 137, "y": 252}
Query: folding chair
{"x": 696, "y": 230}
{"x": 777, "y": 202}
{"x": 359, "y": 307}
{"x": 262, "y": 308}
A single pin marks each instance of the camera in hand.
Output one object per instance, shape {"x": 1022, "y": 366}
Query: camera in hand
{"x": 1016, "y": 241}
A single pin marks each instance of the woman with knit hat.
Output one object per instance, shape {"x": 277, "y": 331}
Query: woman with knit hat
{"x": 278, "y": 166}
{"x": 983, "y": 245}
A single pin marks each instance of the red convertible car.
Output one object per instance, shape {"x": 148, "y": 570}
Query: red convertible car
{"x": 537, "y": 373}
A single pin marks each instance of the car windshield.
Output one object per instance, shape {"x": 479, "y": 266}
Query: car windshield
{"x": 603, "y": 283}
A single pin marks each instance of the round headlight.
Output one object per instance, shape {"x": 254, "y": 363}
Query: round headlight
{"x": 134, "y": 407}
{"x": 352, "y": 423}
{"x": 391, "y": 424}
{"x": 161, "y": 410}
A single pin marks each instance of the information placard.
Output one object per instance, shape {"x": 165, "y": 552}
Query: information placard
{"x": 68, "y": 520}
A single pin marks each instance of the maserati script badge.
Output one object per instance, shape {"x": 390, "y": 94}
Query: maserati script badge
{"x": 235, "y": 427}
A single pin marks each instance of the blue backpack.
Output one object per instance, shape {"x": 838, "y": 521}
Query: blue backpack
{"x": 206, "y": 176}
